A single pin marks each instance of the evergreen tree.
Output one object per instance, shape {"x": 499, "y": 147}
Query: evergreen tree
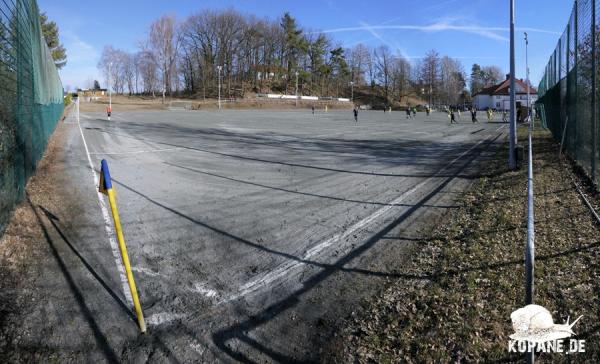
{"x": 477, "y": 79}
{"x": 50, "y": 32}
{"x": 294, "y": 44}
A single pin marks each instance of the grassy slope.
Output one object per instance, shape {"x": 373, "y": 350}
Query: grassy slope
{"x": 455, "y": 302}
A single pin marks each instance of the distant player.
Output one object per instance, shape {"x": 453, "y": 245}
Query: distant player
{"x": 504, "y": 116}
{"x": 474, "y": 115}
{"x": 356, "y": 114}
{"x": 408, "y": 112}
{"x": 452, "y": 117}
{"x": 414, "y": 112}
{"x": 313, "y": 109}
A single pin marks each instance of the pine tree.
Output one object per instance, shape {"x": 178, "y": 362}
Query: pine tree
{"x": 477, "y": 81}
{"x": 50, "y": 32}
{"x": 294, "y": 44}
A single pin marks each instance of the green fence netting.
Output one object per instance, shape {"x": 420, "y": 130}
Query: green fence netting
{"x": 31, "y": 99}
{"x": 568, "y": 91}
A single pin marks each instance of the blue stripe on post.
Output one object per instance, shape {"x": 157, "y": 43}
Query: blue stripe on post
{"x": 106, "y": 175}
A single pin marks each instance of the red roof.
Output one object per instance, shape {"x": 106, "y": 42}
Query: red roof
{"x": 503, "y": 88}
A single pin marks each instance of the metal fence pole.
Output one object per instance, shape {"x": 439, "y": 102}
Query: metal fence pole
{"x": 566, "y": 103}
{"x": 512, "y": 163}
{"x": 594, "y": 121}
{"x": 530, "y": 247}
{"x": 527, "y": 75}
{"x": 576, "y": 77}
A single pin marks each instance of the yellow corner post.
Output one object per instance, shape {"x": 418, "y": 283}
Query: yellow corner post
{"x": 106, "y": 188}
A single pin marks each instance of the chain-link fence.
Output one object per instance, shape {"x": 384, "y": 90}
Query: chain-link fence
{"x": 31, "y": 99}
{"x": 569, "y": 90}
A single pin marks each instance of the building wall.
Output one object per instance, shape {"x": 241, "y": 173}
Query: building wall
{"x": 500, "y": 102}
{"x": 482, "y": 101}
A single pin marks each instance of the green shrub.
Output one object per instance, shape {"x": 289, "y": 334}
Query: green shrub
{"x": 68, "y": 100}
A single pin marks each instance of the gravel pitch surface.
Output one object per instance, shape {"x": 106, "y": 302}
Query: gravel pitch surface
{"x": 252, "y": 233}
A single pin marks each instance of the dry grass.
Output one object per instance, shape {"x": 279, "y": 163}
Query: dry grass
{"x": 23, "y": 254}
{"x": 455, "y": 301}
{"x": 121, "y": 103}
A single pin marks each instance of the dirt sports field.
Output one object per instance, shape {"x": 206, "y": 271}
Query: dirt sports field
{"x": 252, "y": 234}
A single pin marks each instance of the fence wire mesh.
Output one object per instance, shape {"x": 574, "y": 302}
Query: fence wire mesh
{"x": 31, "y": 99}
{"x": 568, "y": 91}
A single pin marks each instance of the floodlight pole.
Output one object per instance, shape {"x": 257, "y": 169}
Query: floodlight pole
{"x": 219, "y": 71}
{"x": 109, "y": 91}
{"x": 430, "y": 96}
{"x": 352, "y": 91}
{"x": 109, "y": 87}
{"x": 512, "y": 163}
{"x": 296, "y": 88}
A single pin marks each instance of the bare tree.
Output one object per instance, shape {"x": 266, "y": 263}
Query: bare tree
{"x": 137, "y": 70}
{"x": 148, "y": 71}
{"x": 263, "y": 55}
{"x": 452, "y": 80}
{"x": 401, "y": 77}
{"x": 162, "y": 45}
{"x": 492, "y": 75}
{"x": 383, "y": 65}
{"x": 109, "y": 66}
{"x": 358, "y": 62}
{"x": 128, "y": 64}
{"x": 429, "y": 74}
{"x": 371, "y": 67}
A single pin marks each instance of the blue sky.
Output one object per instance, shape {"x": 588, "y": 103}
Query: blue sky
{"x": 474, "y": 31}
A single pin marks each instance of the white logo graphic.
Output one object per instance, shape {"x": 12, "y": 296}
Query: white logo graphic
{"x": 535, "y": 330}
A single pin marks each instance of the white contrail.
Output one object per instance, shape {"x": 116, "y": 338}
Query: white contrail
{"x": 371, "y": 30}
{"x": 438, "y": 27}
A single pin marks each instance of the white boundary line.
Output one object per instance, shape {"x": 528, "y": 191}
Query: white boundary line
{"x": 284, "y": 268}
{"x": 107, "y": 222}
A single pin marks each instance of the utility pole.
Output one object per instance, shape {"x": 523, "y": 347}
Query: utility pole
{"x": 512, "y": 162}
{"x": 296, "y": 88}
{"x": 219, "y": 71}
{"x": 352, "y": 91}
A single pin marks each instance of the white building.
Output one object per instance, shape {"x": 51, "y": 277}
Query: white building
{"x": 498, "y": 96}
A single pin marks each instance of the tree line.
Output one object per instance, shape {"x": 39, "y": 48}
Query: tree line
{"x": 245, "y": 53}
